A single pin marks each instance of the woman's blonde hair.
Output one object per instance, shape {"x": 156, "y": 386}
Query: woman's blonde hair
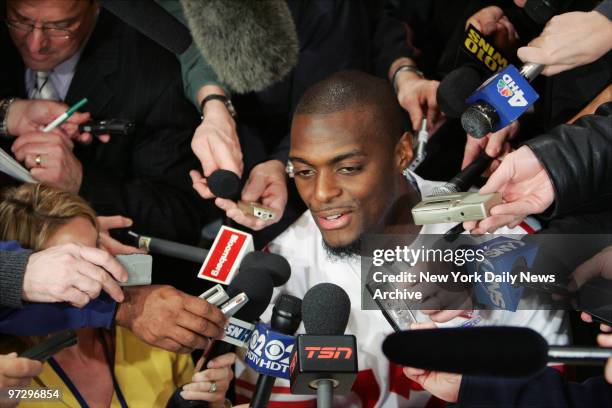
{"x": 31, "y": 213}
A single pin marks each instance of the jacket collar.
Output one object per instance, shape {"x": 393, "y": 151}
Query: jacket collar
{"x": 100, "y": 59}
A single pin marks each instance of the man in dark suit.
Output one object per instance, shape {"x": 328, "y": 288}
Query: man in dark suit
{"x": 70, "y": 49}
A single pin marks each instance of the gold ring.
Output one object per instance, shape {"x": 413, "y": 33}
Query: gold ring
{"x": 38, "y": 160}
{"x": 213, "y": 387}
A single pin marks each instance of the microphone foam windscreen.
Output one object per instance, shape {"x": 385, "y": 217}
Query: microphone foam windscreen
{"x": 455, "y": 88}
{"x": 495, "y": 351}
{"x": 276, "y": 266}
{"x": 249, "y": 44}
{"x": 258, "y": 288}
{"x": 224, "y": 184}
{"x": 325, "y": 310}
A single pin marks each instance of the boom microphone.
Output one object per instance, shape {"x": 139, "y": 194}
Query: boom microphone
{"x": 324, "y": 359}
{"x": 484, "y": 351}
{"x": 250, "y": 45}
{"x": 286, "y": 318}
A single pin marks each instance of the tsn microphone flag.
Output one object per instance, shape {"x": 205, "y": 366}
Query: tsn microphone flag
{"x": 508, "y": 92}
{"x": 270, "y": 352}
{"x": 225, "y": 255}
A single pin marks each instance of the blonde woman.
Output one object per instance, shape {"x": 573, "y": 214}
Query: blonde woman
{"x": 106, "y": 368}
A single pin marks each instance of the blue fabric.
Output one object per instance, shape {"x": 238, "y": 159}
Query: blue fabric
{"x": 10, "y": 246}
{"x": 37, "y": 319}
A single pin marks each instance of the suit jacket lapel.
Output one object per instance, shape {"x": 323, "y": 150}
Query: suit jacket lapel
{"x": 99, "y": 60}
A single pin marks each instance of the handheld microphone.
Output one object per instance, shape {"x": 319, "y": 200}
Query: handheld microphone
{"x": 500, "y": 100}
{"x": 324, "y": 360}
{"x": 226, "y": 184}
{"x": 455, "y": 88}
{"x": 259, "y": 291}
{"x": 466, "y": 178}
{"x": 485, "y": 351}
{"x": 447, "y": 203}
{"x": 275, "y": 353}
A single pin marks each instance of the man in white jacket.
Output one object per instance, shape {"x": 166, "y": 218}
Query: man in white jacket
{"x": 348, "y": 157}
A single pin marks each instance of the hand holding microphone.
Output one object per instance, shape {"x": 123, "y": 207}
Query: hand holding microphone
{"x": 568, "y": 41}
{"x": 526, "y": 189}
{"x": 266, "y": 184}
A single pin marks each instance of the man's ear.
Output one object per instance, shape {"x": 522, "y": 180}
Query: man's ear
{"x": 403, "y": 151}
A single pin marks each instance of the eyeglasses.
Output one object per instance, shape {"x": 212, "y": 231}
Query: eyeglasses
{"x": 49, "y": 31}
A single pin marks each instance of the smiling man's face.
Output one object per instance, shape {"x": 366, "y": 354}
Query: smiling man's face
{"x": 345, "y": 171}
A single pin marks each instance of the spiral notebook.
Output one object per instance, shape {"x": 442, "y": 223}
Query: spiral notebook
{"x": 11, "y": 167}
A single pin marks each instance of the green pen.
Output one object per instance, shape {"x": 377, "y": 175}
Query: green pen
{"x": 62, "y": 118}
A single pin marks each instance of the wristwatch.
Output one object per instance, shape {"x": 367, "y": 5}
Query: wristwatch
{"x": 4, "y": 108}
{"x": 223, "y": 99}
{"x": 401, "y": 68}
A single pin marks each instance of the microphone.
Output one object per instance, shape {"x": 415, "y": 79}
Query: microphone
{"x": 324, "y": 360}
{"x": 500, "y": 100}
{"x": 466, "y": 177}
{"x": 153, "y": 21}
{"x": 276, "y": 266}
{"x": 249, "y": 47}
{"x": 274, "y": 360}
{"x": 226, "y": 184}
{"x": 485, "y": 351}
{"x": 259, "y": 289}
{"x": 455, "y": 88}
{"x": 165, "y": 247}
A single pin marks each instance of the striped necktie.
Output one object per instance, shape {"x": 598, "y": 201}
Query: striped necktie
{"x": 44, "y": 88}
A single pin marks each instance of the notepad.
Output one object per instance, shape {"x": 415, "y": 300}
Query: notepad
{"x": 11, "y": 167}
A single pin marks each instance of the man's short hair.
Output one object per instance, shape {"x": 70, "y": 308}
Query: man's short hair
{"x": 357, "y": 90}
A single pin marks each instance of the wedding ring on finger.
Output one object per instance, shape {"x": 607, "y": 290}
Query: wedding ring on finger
{"x": 38, "y": 160}
{"x": 213, "y": 387}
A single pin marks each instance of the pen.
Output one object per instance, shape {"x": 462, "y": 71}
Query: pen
{"x": 62, "y": 118}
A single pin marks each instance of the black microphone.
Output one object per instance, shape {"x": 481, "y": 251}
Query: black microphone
{"x": 455, "y": 88}
{"x": 286, "y": 318}
{"x": 153, "y": 21}
{"x": 324, "y": 360}
{"x": 485, "y": 351}
{"x": 224, "y": 184}
{"x": 259, "y": 289}
{"x": 276, "y": 266}
{"x": 466, "y": 177}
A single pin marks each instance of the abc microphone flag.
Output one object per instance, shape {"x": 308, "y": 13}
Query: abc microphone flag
{"x": 225, "y": 255}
